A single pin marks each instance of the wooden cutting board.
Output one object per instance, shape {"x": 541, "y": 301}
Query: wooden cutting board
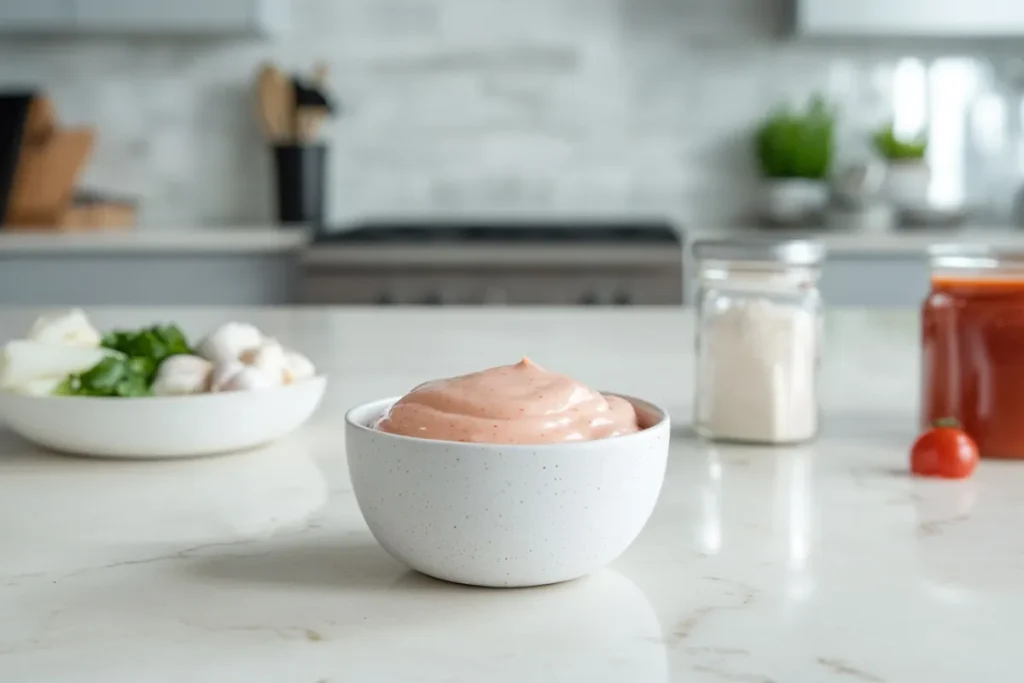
{"x": 46, "y": 176}
{"x": 41, "y": 122}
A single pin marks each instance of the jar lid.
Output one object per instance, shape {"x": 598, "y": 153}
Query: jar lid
{"x": 978, "y": 256}
{"x": 789, "y": 252}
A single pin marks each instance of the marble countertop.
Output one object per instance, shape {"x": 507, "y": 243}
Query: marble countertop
{"x": 209, "y": 240}
{"x": 820, "y": 564}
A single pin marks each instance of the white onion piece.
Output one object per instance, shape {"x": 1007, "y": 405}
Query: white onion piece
{"x": 24, "y": 361}
{"x": 70, "y": 328}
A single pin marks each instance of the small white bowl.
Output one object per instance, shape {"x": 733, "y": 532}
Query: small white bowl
{"x": 162, "y": 426}
{"x": 505, "y": 515}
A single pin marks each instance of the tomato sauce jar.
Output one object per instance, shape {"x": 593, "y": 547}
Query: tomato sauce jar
{"x": 973, "y": 346}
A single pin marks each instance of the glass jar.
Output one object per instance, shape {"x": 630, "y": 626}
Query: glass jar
{"x": 973, "y": 346}
{"x": 758, "y": 340}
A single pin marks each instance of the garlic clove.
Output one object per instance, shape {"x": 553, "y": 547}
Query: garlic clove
{"x": 229, "y": 342}
{"x": 223, "y": 372}
{"x": 182, "y": 375}
{"x": 69, "y": 328}
{"x": 249, "y": 378}
{"x": 297, "y": 367}
{"x": 269, "y": 358}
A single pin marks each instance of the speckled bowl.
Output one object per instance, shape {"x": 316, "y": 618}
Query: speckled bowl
{"x": 505, "y": 516}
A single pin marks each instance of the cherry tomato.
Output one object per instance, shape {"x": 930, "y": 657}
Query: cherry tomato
{"x": 945, "y": 450}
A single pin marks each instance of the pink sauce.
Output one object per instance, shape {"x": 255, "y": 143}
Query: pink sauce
{"x": 513, "y": 404}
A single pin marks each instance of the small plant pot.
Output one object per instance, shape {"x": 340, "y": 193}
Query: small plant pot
{"x": 793, "y": 200}
{"x": 906, "y": 183}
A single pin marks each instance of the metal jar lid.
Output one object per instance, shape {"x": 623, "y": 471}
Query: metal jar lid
{"x": 788, "y": 252}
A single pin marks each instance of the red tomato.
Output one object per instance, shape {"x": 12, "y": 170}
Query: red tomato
{"x": 945, "y": 450}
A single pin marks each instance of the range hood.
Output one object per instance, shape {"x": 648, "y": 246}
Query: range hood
{"x": 911, "y": 18}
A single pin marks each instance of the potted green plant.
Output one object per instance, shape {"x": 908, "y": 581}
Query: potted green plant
{"x": 907, "y": 172}
{"x": 794, "y": 151}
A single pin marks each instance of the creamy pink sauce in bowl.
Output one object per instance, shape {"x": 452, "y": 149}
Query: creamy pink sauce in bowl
{"x": 572, "y": 481}
{"x": 512, "y": 404}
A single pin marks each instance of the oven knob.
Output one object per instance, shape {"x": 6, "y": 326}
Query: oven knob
{"x": 432, "y": 299}
{"x": 588, "y": 299}
{"x": 385, "y": 299}
{"x": 622, "y": 298}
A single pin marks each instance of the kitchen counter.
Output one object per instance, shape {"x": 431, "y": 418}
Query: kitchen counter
{"x": 226, "y": 240}
{"x": 263, "y": 239}
{"x": 820, "y": 564}
{"x": 908, "y": 242}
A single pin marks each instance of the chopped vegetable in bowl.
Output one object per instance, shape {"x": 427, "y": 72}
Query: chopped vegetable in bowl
{"x": 133, "y": 370}
{"x": 65, "y": 355}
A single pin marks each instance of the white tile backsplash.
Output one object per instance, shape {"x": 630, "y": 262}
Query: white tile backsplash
{"x": 460, "y": 105}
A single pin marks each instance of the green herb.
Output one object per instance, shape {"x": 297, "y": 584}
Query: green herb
{"x": 131, "y": 371}
{"x": 156, "y": 342}
{"x": 894, "y": 149}
{"x": 797, "y": 144}
{"x": 102, "y": 378}
{"x": 69, "y": 387}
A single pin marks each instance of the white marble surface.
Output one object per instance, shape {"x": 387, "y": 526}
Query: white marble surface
{"x": 824, "y": 564}
{"x": 201, "y": 240}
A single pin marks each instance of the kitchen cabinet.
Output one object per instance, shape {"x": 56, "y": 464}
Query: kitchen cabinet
{"x": 30, "y": 15}
{"x": 911, "y": 18}
{"x": 139, "y": 279}
{"x": 151, "y": 17}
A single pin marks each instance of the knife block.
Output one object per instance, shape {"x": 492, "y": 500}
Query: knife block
{"x": 39, "y": 187}
{"x": 14, "y": 115}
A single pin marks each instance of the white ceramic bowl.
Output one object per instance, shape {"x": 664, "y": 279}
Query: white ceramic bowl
{"x": 505, "y": 515}
{"x": 161, "y": 426}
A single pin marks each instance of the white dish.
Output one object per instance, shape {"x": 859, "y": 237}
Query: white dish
{"x": 162, "y": 426}
{"x": 505, "y": 515}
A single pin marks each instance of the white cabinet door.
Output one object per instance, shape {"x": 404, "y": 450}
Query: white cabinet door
{"x": 36, "y": 15}
{"x": 177, "y": 16}
{"x": 998, "y": 18}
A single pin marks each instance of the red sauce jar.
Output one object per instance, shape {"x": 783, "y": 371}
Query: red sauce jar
{"x": 973, "y": 346}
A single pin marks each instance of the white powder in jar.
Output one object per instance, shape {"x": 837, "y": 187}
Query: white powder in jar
{"x": 756, "y": 373}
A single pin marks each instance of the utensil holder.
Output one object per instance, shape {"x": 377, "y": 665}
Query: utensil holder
{"x": 299, "y": 172}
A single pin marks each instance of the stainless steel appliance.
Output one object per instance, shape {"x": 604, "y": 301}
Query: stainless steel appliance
{"x": 496, "y": 262}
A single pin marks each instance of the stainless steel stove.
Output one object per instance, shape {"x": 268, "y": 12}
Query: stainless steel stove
{"x": 497, "y": 262}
